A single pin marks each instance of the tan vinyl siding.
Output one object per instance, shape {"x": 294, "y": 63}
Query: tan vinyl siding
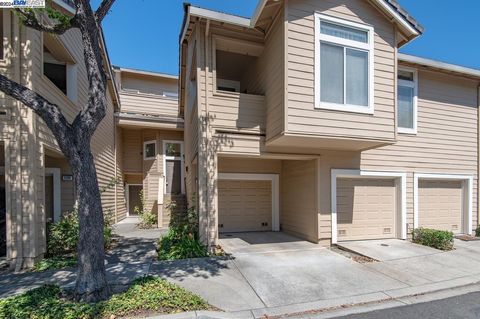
{"x": 447, "y": 140}
{"x": 249, "y": 165}
{"x": 302, "y": 117}
{"x": 148, "y": 104}
{"x": 298, "y": 213}
{"x": 243, "y": 112}
{"x": 268, "y": 77}
{"x": 132, "y": 150}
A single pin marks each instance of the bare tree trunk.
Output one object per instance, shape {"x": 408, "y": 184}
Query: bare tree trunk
{"x": 91, "y": 284}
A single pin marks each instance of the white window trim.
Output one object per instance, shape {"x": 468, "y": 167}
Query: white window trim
{"x": 260, "y": 177}
{"x": 127, "y": 191}
{"x": 467, "y": 185}
{"x": 369, "y": 47}
{"x": 401, "y": 197}
{"x": 175, "y": 158}
{"x": 414, "y": 85}
{"x": 145, "y": 150}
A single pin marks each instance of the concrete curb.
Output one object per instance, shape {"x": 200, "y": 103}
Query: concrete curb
{"x": 344, "y": 306}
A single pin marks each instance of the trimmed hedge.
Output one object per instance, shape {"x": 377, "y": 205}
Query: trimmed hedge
{"x": 438, "y": 239}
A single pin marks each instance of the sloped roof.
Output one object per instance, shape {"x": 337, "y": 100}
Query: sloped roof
{"x": 404, "y": 13}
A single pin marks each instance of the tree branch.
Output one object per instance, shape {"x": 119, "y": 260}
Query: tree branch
{"x": 30, "y": 19}
{"x": 103, "y": 9}
{"x": 49, "y": 112}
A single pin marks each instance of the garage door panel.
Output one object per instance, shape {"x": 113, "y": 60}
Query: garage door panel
{"x": 440, "y": 205}
{"x": 365, "y": 209}
{"x": 244, "y": 205}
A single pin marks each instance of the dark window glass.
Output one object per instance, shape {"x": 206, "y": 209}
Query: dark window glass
{"x": 57, "y": 73}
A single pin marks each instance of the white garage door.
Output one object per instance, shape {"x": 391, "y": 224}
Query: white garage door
{"x": 244, "y": 206}
{"x": 365, "y": 209}
{"x": 440, "y": 205}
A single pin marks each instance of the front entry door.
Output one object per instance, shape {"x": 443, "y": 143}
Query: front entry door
{"x": 173, "y": 163}
{"x": 173, "y": 176}
{"x": 134, "y": 199}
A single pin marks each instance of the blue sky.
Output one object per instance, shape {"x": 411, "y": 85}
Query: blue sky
{"x": 143, "y": 34}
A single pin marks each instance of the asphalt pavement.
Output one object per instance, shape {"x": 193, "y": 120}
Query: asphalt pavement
{"x": 460, "y": 307}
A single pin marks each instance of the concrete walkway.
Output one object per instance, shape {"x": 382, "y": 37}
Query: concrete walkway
{"x": 131, "y": 257}
{"x": 272, "y": 279}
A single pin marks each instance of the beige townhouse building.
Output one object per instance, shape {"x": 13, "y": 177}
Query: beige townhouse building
{"x": 306, "y": 119}
{"x": 36, "y": 185}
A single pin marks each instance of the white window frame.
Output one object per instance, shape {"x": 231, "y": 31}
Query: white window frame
{"x": 414, "y": 85}
{"x": 173, "y": 158}
{"x": 145, "y": 150}
{"x": 368, "y": 47}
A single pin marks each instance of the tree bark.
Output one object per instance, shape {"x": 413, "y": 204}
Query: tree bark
{"x": 91, "y": 284}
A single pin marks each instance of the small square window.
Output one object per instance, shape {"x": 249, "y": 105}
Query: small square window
{"x": 149, "y": 150}
{"x": 173, "y": 149}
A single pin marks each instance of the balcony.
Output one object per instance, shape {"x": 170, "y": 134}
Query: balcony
{"x": 237, "y": 112}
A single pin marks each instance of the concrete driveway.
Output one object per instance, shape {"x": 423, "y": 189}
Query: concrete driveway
{"x": 275, "y": 273}
{"x": 273, "y": 269}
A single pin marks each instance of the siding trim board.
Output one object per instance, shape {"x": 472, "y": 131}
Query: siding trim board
{"x": 274, "y": 178}
{"x": 467, "y": 184}
{"x": 401, "y": 186}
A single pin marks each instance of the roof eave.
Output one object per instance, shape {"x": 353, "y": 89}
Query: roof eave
{"x": 438, "y": 65}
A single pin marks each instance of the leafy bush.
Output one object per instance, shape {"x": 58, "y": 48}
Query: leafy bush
{"x": 477, "y": 232}
{"x": 62, "y": 237}
{"x": 182, "y": 240}
{"x": 148, "y": 219}
{"x": 438, "y": 239}
{"x": 148, "y": 294}
{"x": 55, "y": 263}
{"x": 179, "y": 243}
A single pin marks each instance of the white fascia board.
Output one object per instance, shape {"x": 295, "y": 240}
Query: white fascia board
{"x": 150, "y": 73}
{"x": 258, "y": 11}
{"x": 219, "y": 16}
{"x": 438, "y": 65}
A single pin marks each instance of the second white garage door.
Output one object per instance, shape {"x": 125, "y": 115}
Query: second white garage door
{"x": 440, "y": 205}
{"x": 365, "y": 209}
{"x": 244, "y": 205}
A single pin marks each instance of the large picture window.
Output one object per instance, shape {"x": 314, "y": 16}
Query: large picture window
{"x": 344, "y": 65}
{"x": 407, "y": 101}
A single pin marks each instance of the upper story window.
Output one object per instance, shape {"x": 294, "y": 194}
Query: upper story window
{"x": 407, "y": 101}
{"x": 59, "y": 66}
{"x": 344, "y": 53}
{"x": 55, "y": 71}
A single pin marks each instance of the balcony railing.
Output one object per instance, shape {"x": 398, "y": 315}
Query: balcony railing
{"x": 238, "y": 111}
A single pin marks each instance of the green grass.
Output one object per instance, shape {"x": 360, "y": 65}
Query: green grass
{"x": 54, "y": 263}
{"x": 146, "y": 295}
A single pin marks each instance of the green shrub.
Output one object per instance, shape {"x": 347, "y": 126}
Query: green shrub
{"x": 181, "y": 241}
{"x": 145, "y": 295}
{"x": 438, "y": 239}
{"x": 62, "y": 237}
{"x": 477, "y": 232}
{"x": 148, "y": 219}
{"x": 55, "y": 263}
